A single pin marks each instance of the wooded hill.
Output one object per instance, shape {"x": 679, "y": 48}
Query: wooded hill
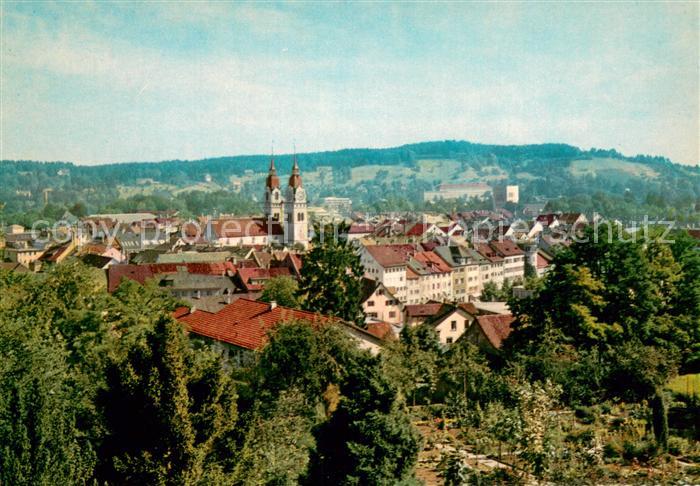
{"x": 392, "y": 178}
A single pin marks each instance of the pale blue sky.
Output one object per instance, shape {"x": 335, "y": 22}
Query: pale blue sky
{"x": 95, "y": 82}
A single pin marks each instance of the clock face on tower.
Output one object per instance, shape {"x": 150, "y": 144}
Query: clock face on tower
{"x": 300, "y": 195}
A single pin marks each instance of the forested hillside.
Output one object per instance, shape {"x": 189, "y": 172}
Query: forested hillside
{"x": 394, "y": 178}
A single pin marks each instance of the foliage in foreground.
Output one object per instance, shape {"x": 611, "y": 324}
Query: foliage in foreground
{"x": 109, "y": 388}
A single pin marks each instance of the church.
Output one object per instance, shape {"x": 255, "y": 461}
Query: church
{"x": 285, "y": 222}
{"x": 290, "y": 209}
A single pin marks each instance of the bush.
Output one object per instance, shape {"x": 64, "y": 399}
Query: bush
{"x": 678, "y": 446}
{"x": 586, "y": 415}
{"x": 641, "y": 450}
{"x": 613, "y": 449}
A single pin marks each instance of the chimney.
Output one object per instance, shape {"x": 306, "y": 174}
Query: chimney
{"x": 273, "y": 304}
{"x": 227, "y": 298}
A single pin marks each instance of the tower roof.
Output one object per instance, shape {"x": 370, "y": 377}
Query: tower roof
{"x": 272, "y": 182}
{"x": 295, "y": 178}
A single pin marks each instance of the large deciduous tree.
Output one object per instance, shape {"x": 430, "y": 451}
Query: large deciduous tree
{"x": 330, "y": 280}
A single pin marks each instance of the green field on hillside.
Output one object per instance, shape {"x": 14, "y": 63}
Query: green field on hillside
{"x": 601, "y": 166}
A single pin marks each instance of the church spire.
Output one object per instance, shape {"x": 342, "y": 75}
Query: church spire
{"x": 295, "y": 178}
{"x": 272, "y": 181}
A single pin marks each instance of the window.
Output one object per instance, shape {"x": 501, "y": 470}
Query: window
{"x": 449, "y": 340}
{"x": 392, "y": 313}
{"x": 453, "y": 325}
{"x": 370, "y": 303}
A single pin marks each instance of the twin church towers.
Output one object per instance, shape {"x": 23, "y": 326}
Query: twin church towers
{"x": 289, "y": 209}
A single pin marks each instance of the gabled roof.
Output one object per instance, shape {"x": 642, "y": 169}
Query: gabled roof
{"x": 496, "y": 327}
{"x": 447, "y": 309}
{"x": 487, "y": 252}
{"x": 249, "y": 276}
{"x": 360, "y": 229}
{"x": 95, "y": 260}
{"x": 390, "y": 255}
{"x": 381, "y": 330}
{"x": 423, "y": 310}
{"x": 419, "y": 229}
{"x": 263, "y": 258}
{"x": 56, "y": 253}
{"x": 244, "y": 323}
{"x": 506, "y": 248}
{"x": 432, "y": 263}
{"x": 547, "y": 219}
{"x": 542, "y": 261}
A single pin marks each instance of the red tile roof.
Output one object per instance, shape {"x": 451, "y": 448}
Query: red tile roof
{"x": 381, "y": 330}
{"x": 240, "y": 227}
{"x": 423, "y": 310}
{"x": 542, "y": 262}
{"x": 244, "y": 323}
{"x": 487, "y": 252}
{"x": 432, "y": 262}
{"x": 249, "y": 275}
{"x": 469, "y": 307}
{"x": 506, "y": 248}
{"x": 418, "y": 229}
{"x": 695, "y": 233}
{"x": 496, "y": 327}
{"x": 358, "y": 229}
{"x": 390, "y": 255}
{"x": 547, "y": 219}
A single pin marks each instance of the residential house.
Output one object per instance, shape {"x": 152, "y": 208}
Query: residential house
{"x": 452, "y": 321}
{"x": 490, "y": 331}
{"x": 387, "y": 264}
{"x": 513, "y": 259}
{"x": 24, "y": 251}
{"x": 431, "y": 276}
{"x": 242, "y": 327}
{"x": 379, "y": 303}
{"x": 548, "y": 220}
{"x": 357, "y": 231}
{"x": 494, "y": 272}
{"x": 254, "y": 279}
{"x": 465, "y": 271}
{"x": 421, "y": 231}
{"x": 58, "y": 253}
{"x": 416, "y": 314}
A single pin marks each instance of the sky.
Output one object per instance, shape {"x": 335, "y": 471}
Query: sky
{"x": 98, "y": 82}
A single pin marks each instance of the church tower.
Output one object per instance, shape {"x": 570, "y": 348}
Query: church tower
{"x": 273, "y": 195}
{"x": 296, "y": 227}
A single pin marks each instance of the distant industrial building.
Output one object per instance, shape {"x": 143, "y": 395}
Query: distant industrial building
{"x": 506, "y": 193}
{"x": 512, "y": 194}
{"x": 457, "y": 191}
{"x": 338, "y": 205}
